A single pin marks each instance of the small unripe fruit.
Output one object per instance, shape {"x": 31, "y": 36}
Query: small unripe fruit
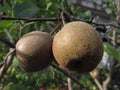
{"x": 34, "y": 51}
{"x": 95, "y": 73}
{"x": 78, "y": 47}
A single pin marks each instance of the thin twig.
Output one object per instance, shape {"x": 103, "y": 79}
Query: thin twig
{"x": 69, "y": 84}
{"x": 106, "y": 82}
{"x": 7, "y": 42}
{"x": 9, "y": 36}
{"x": 62, "y": 17}
{"x": 58, "y": 25}
{"x": 22, "y": 27}
{"x": 7, "y": 62}
{"x": 97, "y": 82}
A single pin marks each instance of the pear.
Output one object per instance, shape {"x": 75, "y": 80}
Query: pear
{"x": 34, "y": 51}
{"x": 78, "y": 47}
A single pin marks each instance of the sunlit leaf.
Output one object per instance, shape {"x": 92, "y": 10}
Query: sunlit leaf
{"x": 5, "y": 24}
{"x": 48, "y": 5}
{"x": 112, "y": 51}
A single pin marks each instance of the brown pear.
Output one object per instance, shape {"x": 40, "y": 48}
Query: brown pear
{"x": 34, "y": 51}
{"x": 78, "y": 47}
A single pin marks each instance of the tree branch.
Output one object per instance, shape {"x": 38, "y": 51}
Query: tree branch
{"x": 27, "y": 19}
{"x": 71, "y": 18}
{"x": 82, "y": 87}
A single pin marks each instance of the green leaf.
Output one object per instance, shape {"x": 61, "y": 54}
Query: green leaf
{"x": 118, "y": 55}
{"x": 49, "y": 5}
{"x": 6, "y": 8}
{"x": 87, "y": 14}
{"x": 15, "y": 62}
{"x": 5, "y": 24}
{"x": 10, "y": 86}
{"x": 112, "y": 51}
{"x": 21, "y": 1}
{"x": 26, "y": 9}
